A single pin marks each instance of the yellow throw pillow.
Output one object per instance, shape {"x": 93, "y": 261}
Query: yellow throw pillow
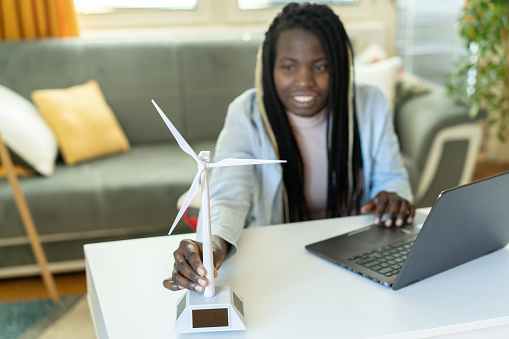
{"x": 84, "y": 124}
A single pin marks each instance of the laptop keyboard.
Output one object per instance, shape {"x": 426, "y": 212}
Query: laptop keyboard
{"x": 385, "y": 260}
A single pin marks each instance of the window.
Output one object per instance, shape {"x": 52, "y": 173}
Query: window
{"x": 91, "y": 5}
{"x": 427, "y": 37}
{"x": 261, "y": 4}
{"x": 134, "y": 14}
{"x": 125, "y": 17}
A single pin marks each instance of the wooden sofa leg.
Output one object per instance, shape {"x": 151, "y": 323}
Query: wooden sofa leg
{"x": 28, "y": 223}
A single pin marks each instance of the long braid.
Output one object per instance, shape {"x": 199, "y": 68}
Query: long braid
{"x": 345, "y": 183}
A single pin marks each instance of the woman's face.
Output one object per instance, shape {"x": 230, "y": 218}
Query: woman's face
{"x": 301, "y": 74}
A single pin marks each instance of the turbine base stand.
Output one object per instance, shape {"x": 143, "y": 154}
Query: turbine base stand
{"x": 222, "y": 312}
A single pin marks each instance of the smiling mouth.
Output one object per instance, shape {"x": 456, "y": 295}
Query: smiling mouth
{"x": 303, "y": 99}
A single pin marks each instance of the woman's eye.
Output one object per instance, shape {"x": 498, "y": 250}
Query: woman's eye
{"x": 288, "y": 67}
{"x": 320, "y": 67}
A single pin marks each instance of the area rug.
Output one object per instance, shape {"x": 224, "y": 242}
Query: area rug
{"x": 42, "y": 319}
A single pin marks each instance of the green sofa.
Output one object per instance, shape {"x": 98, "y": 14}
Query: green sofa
{"x": 135, "y": 194}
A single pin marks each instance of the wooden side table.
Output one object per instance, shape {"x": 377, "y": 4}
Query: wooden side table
{"x": 28, "y": 223}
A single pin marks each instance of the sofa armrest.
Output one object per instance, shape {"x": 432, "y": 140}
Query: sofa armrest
{"x": 440, "y": 140}
{"x": 420, "y": 119}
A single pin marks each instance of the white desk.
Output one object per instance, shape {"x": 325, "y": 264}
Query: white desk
{"x": 291, "y": 293}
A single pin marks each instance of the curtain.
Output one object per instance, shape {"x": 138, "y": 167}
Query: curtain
{"x": 32, "y": 19}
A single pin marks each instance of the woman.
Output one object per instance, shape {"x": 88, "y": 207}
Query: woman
{"x": 338, "y": 139}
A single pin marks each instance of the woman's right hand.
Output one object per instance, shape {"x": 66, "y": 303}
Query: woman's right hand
{"x": 188, "y": 269}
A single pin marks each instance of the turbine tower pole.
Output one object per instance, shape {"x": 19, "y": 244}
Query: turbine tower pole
{"x": 208, "y": 261}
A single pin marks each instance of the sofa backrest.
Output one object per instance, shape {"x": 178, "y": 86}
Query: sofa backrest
{"x": 192, "y": 79}
{"x": 215, "y": 73}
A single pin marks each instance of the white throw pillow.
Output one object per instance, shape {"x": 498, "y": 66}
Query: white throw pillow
{"x": 26, "y": 133}
{"x": 383, "y": 74}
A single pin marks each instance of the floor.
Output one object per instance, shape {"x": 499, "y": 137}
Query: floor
{"x": 32, "y": 288}
{"x": 75, "y": 283}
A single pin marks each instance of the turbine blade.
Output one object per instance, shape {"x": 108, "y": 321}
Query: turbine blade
{"x": 242, "y": 162}
{"x": 180, "y": 139}
{"x": 190, "y": 195}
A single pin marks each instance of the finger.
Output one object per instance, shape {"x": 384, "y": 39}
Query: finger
{"x": 196, "y": 263}
{"x": 411, "y": 214}
{"x": 183, "y": 268}
{"x": 183, "y": 282}
{"x": 381, "y": 205}
{"x": 403, "y": 213}
{"x": 393, "y": 207}
{"x": 218, "y": 259}
{"x": 192, "y": 252}
{"x": 171, "y": 285}
{"x": 370, "y": 206}
{"x": 220, "y": 248}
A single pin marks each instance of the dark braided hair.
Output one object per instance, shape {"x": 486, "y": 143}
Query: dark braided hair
{"x": 345, "y": 182}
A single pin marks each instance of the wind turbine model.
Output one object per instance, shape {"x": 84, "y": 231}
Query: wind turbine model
{"x": 208, "y": 311}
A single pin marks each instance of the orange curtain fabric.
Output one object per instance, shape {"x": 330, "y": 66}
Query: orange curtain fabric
{"x": 32, "y": 19}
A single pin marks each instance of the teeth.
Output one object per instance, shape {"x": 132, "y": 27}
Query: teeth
{"x": 301, "y": 98}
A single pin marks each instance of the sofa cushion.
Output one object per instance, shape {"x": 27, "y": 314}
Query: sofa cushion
{"x": 85, "y": 126}
{"x": 130, "y": 190}
{"x": 26, "y": 133}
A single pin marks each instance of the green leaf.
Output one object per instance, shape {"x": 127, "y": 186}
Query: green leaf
{"x": 474, "y": 110}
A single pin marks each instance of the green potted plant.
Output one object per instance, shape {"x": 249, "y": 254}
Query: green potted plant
{"x": 480, "y": 77}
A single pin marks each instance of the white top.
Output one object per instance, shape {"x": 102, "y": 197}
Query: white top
{"x": 311, "y": 135}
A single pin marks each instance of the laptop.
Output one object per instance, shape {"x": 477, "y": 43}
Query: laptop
{"x": 465, "y": 222}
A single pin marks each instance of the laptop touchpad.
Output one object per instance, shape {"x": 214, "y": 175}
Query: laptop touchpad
{"x": 376, "y": 234}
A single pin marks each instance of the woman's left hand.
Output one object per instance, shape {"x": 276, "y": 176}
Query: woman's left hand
{"x": 398, "y": 210}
